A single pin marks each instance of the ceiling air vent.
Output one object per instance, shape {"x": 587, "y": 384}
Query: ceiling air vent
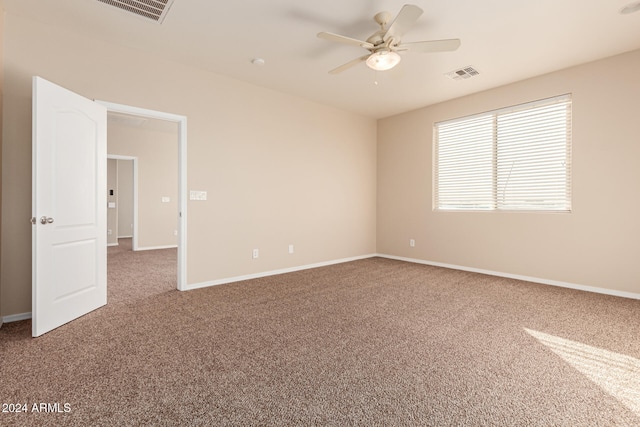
{"x": 155, "y": 10}
{"x": 462, "y": 73}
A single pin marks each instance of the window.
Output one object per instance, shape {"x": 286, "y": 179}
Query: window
{"x": 516, "y": 158}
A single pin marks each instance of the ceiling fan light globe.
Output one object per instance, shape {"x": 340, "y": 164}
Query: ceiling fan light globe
{"x": 383, "y": 60}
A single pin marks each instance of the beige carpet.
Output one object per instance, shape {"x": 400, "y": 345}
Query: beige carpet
{"x": 373, "y": 343}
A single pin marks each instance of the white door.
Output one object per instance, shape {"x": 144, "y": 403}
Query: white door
{"x": 69, "y": 219}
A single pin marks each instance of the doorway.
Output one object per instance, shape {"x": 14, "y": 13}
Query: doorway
{"x": 180, "y": 228}
{"x": 122, "y": 198}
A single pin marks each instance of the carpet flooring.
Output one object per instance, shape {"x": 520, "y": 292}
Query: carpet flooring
{"x": 375, "y": 342}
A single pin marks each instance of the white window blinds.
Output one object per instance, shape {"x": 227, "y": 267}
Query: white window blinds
{"x": 516, "y": 158}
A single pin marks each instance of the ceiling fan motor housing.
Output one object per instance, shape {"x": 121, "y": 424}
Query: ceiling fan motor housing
{"x": 377, "y": 38}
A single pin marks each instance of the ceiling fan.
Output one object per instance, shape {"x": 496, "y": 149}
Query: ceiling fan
{"x": 385, "y": 44}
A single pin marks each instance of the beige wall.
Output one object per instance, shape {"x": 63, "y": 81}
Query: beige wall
{"x": 595, "y": 245}
{"x": 278, "y": 169}
{"x": 156, "y": 150}
{"x": 125, "y": 198}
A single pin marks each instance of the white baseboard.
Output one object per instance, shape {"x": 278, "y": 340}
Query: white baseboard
{"x": 125, "y": 237}
{"x": 612, "y": 292}
{"x": 274, "y": 272}
{"x": 605, "y": 291}
{"x": 153, "y": 248}
{"x": 16, "y": 317}
{"x": 112, "y": 244}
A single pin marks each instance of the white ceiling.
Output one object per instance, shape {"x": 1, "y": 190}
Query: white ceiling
{"x": 505, "y": 40}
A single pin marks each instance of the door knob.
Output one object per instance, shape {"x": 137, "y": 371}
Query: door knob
{"x": 45, "y": 220}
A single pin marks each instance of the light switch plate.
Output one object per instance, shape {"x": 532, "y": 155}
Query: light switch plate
{"x": 197, "y": 195}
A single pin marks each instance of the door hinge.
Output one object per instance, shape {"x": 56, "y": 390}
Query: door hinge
{"x": 33, "y": 220}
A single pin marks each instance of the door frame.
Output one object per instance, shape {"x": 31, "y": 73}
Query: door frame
{"x": 182, "y": 175}
{"x": 134, "y": 231}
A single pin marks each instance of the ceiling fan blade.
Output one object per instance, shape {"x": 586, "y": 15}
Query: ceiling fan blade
{"x": 407, "y": 16}
{"x": 346, "y": 40}
{"x": 430, "y": 46}
{"x": 349, "y": 65}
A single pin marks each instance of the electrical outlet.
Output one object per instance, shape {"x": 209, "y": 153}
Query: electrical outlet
{"x": 290, "y": 249}
{"x": 412, "y": 243}
{"x": 175, "y": 232}
{"x": 256, "y": 253}
{"x": 109, "y": 232}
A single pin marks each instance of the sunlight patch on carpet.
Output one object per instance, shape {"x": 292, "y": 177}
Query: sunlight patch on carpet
{"x": 615, "y": 373}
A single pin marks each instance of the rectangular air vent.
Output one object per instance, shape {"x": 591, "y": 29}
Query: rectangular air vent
{"x": 462, "y": 73}
{"x": 156, "y": 10}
